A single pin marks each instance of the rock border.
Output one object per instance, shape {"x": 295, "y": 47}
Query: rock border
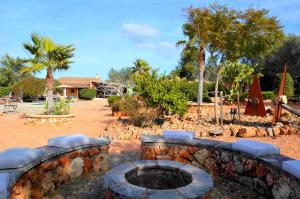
{"x": 49, "y": 120}
{"x": 55, "y": 167}
{"x": 118, "y": 186}
{"x": 263, "y": 174}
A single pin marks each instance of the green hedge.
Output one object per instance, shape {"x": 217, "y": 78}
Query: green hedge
{"x": 190, "y": 89}
{"x": 4, "y": 91}
{"x": 87, "y": 93}
{"x": 112, "y": 99}
{"x": 268, "y": 95}
{"x": 289, "y": 84}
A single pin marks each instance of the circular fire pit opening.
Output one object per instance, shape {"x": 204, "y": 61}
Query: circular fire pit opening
{"x": 157, "y": 179}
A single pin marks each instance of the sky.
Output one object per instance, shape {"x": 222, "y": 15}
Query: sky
{"x": 113, "y": 33}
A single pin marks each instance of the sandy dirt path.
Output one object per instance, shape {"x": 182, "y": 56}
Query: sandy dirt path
{"x": 92, "y": 117}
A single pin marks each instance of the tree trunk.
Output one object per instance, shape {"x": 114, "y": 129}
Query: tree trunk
{"x": 216, "y": 94}
{"x": 201, "y": 59}
{"x": 49, "y": 89}
{"x": 238, "y": 102}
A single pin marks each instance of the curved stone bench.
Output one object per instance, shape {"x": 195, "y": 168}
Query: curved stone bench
{"x": 49, "y": 119}
{"x": 39, "y": 171}
{"x": 265, "y": 174}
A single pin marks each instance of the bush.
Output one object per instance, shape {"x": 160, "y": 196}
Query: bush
{"x": 289, "y": 84}
{"x": 61, "y": 107}
{"x": 112, "y": 99}
{"x": 140, "y": 114}
{"x": 87, "y": 93}
{"x": 233, "y": 97}
{"x": 4, "y": 91}
{"x": 158, "y": 91}
{"x": 190, "y": 89}
{"x": 268, "y": 95}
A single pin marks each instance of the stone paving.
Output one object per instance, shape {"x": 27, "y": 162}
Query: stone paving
{"x": 91, "y": 186}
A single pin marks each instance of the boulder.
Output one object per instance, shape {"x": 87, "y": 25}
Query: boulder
{"x": 201, "y": 156}
{"x": 261, "y": 132}
{"x": 234, "y": 130}
{"x": 270, "y": 132}
{"x": 76, "y": 167}
{"x": 247, "y": 132}
{"x": 276, "y": 131}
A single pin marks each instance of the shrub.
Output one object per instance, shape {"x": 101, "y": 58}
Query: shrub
{"x": 268, "y": 95}
{"x": 289, "y": 84}
{"x": 87, "y": 93}
{"x": 158, "y": 91}
{"x": 61, "y": 107}
{"x": 112, "y": 99}
{"x": 233, "y": 97}
{"x": 140, "y": 114}
{"x": 117, "y": 106}
{"x": 4, "y": 91}
{"x": 190, "y": 89}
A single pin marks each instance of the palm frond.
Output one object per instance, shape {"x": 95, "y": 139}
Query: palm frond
{"x": 180, "y": 43}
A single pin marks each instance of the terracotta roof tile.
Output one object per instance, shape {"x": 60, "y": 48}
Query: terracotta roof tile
{"x": 78, "y": 82}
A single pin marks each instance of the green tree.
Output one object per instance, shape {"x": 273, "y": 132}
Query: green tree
{"x": 30, "y": 86}
{"x": 229, "y": 35}
{"x": 273, "y": 63}
{"x": 48, "y": 56}
{"x": 197, "y": 30}
{"x": 10, "y": 70}
{"x": 124, "y": 75}
{"x": 235, "y": 77}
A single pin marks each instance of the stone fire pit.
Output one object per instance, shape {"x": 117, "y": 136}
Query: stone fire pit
{"x": 157, "y": 179}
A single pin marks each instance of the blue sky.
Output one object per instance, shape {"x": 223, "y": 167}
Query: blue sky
{"x": 112, "y": 33}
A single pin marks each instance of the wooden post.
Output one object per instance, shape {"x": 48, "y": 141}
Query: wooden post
{"x": 221, "y": 107}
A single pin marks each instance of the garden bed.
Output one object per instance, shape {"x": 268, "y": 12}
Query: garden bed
{"x": 204, "y": 126}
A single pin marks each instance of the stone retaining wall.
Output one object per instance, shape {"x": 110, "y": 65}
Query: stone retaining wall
{"x": 56, "y": 166}
{"x": 263, "y": 174}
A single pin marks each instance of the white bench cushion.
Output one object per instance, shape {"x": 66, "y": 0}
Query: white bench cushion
{"x": 292, "y": 166}
{"x": 18, "y": 157}
{"x": 69, "y": 141}
{"x": 255, "y": 148}
{"x": 178, "y": 135}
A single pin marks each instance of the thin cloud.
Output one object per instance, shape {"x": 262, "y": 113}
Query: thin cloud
{"x": 160, "y": 45}
{"x": 140, "y": 31}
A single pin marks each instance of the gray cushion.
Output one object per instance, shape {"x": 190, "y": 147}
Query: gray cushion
{"x": 255, "y": 148}
{"x": 178, "y": 135}
{"x": 75, "y": 140}
{"x": 4, "y": 183}
{"x": 69, "y": 141}
{"x": 292, "y": 166}
{"x": 18, "y": 157}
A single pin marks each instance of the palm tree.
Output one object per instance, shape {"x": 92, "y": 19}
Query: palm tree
{"x": 140, "y": 66}
{"x": 197, "y": 29}
{"x": 48, "y": 56}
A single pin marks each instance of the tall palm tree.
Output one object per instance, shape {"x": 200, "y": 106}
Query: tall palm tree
{"x": 48, "y": 56}
{"x": 197, "y": 29}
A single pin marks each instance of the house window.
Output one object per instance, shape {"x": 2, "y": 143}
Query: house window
{"x": 72, "y": 90}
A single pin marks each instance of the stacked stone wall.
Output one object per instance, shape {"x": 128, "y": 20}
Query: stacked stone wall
{"x": 262, "y": 174}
